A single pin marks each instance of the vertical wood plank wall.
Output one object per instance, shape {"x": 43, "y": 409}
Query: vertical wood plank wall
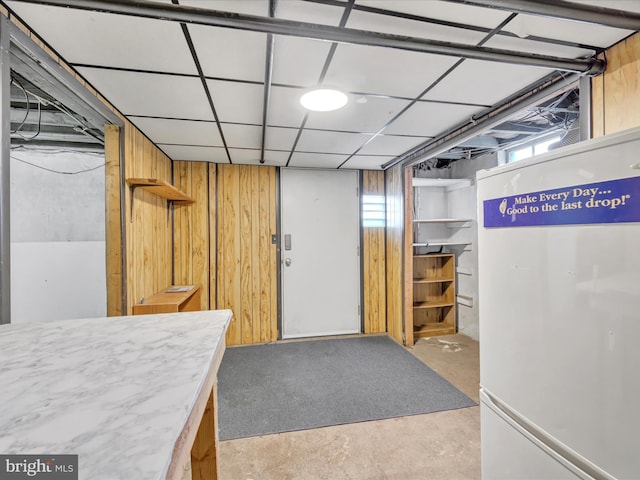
{"x": 148, "y": 223}
{"x": 615, "y": 95}
{"x": 113, "y": 226}
{"x": 247, "y": 277}
{"x": 373, "y": 262}
{"x": 191, "y": 228}
{"x": 394, "y": 251}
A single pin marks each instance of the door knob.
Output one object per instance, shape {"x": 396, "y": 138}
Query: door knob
{"x": 287, "y": 261}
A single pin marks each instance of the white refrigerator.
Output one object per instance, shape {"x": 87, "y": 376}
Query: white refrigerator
{"x": 559, "y": 302}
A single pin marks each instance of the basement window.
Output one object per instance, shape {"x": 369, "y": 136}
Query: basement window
{"x": 532, "y": 149}
{"x": 373, "y": 211}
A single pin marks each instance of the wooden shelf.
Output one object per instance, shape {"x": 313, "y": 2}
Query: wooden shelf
{"x": 433, "y": 304}
{"x": 181, "y": 298}
{"x": 433, "y": 329}
{"x": 440, "y": 244}
{"x": 161, "y": 188}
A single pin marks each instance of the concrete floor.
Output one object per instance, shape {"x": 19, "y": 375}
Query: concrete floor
{"x": 442, "y": 445}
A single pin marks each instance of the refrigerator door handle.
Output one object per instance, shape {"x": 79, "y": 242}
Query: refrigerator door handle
{"x": 567, "y": 457}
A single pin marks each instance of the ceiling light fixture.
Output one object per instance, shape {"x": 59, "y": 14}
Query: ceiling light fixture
{"x": 323, "y": 100}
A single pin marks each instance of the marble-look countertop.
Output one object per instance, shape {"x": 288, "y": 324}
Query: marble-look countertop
{"x": 116, "y": 391}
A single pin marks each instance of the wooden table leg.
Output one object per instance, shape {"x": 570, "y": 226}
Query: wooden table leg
{"x": 204, "y": 453}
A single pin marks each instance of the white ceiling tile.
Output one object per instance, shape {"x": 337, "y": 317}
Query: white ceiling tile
{"x": 430, "y": 119}
{"x": 450, "y": 12}
{"x": 242, "y": 136}
{"x": 390, "y": 145}
{"x": 358, "y": 68}
{"x": 367, "y": 162}
{"x": 316, "y": 160}
{"x": 248, "y": 7}
{"x": 151, "y": 94}
{"x": 541, "y": 48}
{"x": 480, "y": 82}
{"x": 280, "y": 138}
{"x": 237, "y": 102}
{"x": 309, "y": 12}
{"x": 195, "y": 154}
{"x": 298, "y": 61}
{"x": 242, "y": 56}
{"x": 252, "y": 157}
{"x": 361, "y": 114}
{"x": 571, "y": 31}
{"x": 284, "y": 107}
{"x": 412, "y": 28}
{"x": 628, "y": 5}
{"x": 330, "y": 142}
{"x": 183, "y": 132}
{"x": 276, "y": 158}
{"x": 110, "y": 40}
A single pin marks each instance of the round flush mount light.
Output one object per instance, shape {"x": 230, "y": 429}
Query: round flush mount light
{"x": 323, "y": 100}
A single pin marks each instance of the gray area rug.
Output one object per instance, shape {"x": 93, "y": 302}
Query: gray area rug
{"x": 283, "y": 387}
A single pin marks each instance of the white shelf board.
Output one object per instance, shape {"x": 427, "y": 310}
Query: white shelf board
{"x": 441, "y": 182}
{"x": 443, "y": 220}
{"x": 440, "y": 244}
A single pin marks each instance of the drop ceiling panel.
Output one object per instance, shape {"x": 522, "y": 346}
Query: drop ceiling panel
{"x": 284, "y": 107}
{"x": 276, "y": 158}
{"x": 298, "y": 61}
{"x": 360, "y": 69}
{"x": 430, "y": 119}
{"x": 242, "y": 136}
{"x": 579, "y": 32}
{"x": 182, "y": 132}
{"x": 301, "y": 11}
{"x": 110, "y": 40}
{"x": 541, "y": 48}
{"x": 390, "y": 145}
{"x": 367, "y": 162}
{"x": 361, "y": 114}
{"x": 316, "y": 160}
{"x": 152, "y": 95}
{"x": 228, "y": 53}
{"x": 330, "y": 142}
{"x": 480, "y": 82}
{"x": 280, "y": 138}
{"x": 237, "y": 102}
{"x": 248, "y": 7}
{"x": 450, "y": 12}
{"x": 400, "y": 26}
{"x": 195, "y": 154}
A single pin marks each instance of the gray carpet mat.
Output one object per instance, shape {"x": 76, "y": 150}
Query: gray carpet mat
{"x": 283, "y": 387}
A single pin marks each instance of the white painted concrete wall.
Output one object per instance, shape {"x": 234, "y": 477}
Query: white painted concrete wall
{"x": 57, "y": 236}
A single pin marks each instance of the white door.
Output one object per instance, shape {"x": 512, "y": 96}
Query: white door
{"x": 320, "y": 262}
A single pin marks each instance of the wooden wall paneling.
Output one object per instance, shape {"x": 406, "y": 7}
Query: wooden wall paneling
{"x": 113, "y": 220}
{"x": 263, "y": 288}
{"x": 213, "y": 235}
{"x": 616, "y": 93}
{"x": 246, "y": 285}
{"x": 191, "y": 228}
{"x": 229, "y": 248}
{"x": 256, "y": 264}
{"x": 394, "y": 244}
{"x": 373, "y": 250}
{"x": 408, "y": 257}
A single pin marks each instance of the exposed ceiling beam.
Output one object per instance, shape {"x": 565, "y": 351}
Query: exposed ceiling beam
{"x": 480, "y": 124}
{"x": 563, "y": 9}
{"x": 268, "y": 74}
{"x": 202, "y": 16}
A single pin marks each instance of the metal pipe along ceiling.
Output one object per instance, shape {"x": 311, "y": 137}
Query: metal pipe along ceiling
{"x": 201, "y": 16}
{"x": 484, "y": 122}
{"x": 565, "y": 10}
